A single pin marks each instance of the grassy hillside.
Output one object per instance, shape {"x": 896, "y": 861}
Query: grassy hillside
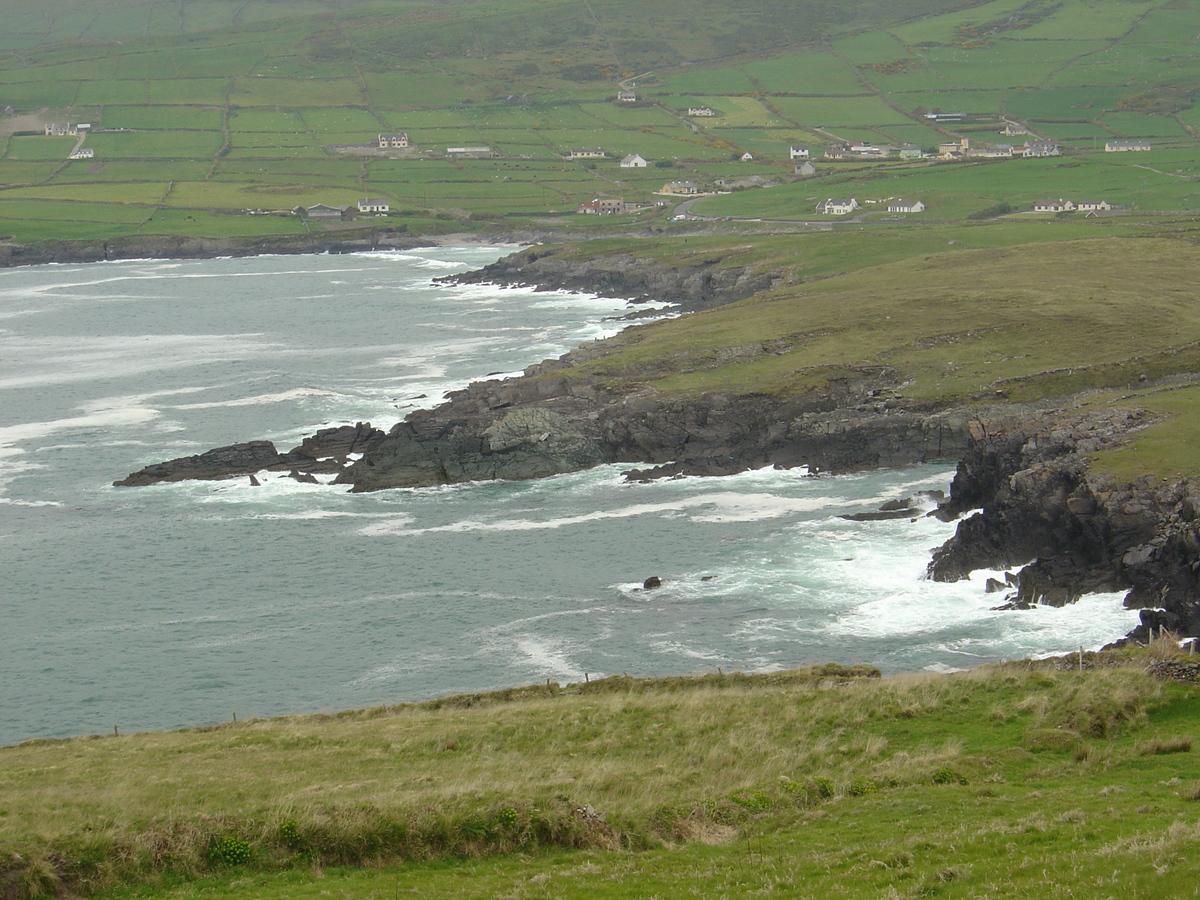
{"x": 813, "y": 783}
{"x": 204, "y": 109}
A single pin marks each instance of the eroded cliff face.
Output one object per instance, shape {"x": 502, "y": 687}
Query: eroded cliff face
{"x": 689, "y": 287}
{"x": 1073, "y": 531}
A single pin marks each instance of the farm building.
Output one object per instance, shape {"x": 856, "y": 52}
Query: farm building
{"x": 393, "y": 141}
{"x": 588, "y": 153}
{"x": 679, "y": 187}
{"x": 469, "y": 152}
{"x": 1053, "y": 206}
{"x": 321, "y": 211}
{"x": 373, "y": 205}
{"x": 1126, "y": 146}
{"x": 905, "y": 206}
{"x": 837, "y": 207}
{"x": 604, "y": 207}
{"x": 910, "y": 151}
{"x": 805, "y": 169}
{"x": 633, "y": 161}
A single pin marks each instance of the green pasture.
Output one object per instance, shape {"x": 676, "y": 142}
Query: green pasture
{"x": 921, "y": 135}
{"x": 151, "y": 144}
{"x": 189, "y": 91}
{"x": 343, "y": 120}
{"x": 973, "y": 102}
{"x": 1141, "y": 126}
{"x": 269, "y": 120}
{"x": 35, "y": 94}
{"x": 829, "y": 112}
{"x": 16, "y": 171}
{"x": 630, "y": 118}
{"x": 1088, "y": 20}
{"x": 229, "y": 60}
{"x": 195, "y": 223}
{"x": 12, "y": 70}
{"x": 109, "y": 93}
{"x": 146, "y": 64}
{"x": 273, "y": 153}
{"x": 870, "y": 47}
{"x": 805, "y": 73}
{"x": 92, "y": 171}
{"x": 1084, "y": 102}
{"x": 1136, "y": 75}
{"x": 941, "y": 29}
{"x": 295, "y": 92}
{"x": 1007, "y": 63}
{"x": 122, "y": 193}
{"x": 223, "y": 195}
{"x": 28, "y": 231}
{"x": 1070, "y": 131}
{"x": 715, "y": 81}
{"x": 70, "y": 210}
{"x": 39, "y": 147}
{"x": 188, "y": 118}
{"x": 769, "y": 143}
{"x": 1171, "y": 26}
{"x": 992, "y": 783}
{"x": 271, "y": 140}
{"x": 399, "y": 91}
{"x": 919, "y": 76}
{"x": 327, "y": 168}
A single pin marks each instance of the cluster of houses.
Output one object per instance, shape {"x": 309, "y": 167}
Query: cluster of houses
{"x": 366, "y": 206}
{"x": 1091, "y": 207}
{"x": 843, "y": 207}
{"x": 79, "y": 130}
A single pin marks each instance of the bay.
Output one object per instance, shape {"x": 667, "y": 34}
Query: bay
{"x": 184, "y": 604}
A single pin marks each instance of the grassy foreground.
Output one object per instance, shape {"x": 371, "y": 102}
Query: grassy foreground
{"x": 820, "y": 782}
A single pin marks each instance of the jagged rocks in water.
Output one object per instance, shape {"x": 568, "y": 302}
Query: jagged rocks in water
{"x": 651, "y": 583}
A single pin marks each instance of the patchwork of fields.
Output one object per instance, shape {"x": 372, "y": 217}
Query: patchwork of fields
{"x": 209, "y": 114}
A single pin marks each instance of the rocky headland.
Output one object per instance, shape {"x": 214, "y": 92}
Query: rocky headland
{"x": 178, "y": 247}
{"x": 1061, "y": 529}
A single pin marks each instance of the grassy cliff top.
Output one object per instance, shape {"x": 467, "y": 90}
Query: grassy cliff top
{"x": 812, "y": 783}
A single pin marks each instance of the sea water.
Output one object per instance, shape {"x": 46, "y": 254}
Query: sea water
{"x": 185, "y": 604}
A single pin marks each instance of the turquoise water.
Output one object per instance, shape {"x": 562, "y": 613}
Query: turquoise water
{"x": 184, "y": 604}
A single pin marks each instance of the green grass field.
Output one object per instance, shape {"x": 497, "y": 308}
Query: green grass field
{"x": 257, "y": 94}
{"x": 813, "y": 783}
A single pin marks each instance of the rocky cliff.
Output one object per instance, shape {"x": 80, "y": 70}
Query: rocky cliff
{"x": 1071, "y": 530}
{"x": 689, "y": 287}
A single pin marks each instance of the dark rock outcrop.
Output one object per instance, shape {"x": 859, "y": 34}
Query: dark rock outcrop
{"x": 329, "y": 450}
{"x": 1071, "y": 530}
{"x": 690, "y": 287}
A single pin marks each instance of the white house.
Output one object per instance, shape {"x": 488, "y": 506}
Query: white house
{"x": 705, "y": 111}
{"x": 82, "y": 153}
{"x": 747, "y": 156}
{"x": 392, "y": 141}
{"x": 1125, "y": 146}
{"x": 905, "y": 206}
{"x": 837, "y": 207}
{"x": 588, "y": 153}
{"x": 1093, "y": 205}
{"x": 633, "y": 161}
{"x": 795, "y": 152}
{"x": 1039, "y": 148}
{"x": 1053, "y": 206}
{"x": 627, "y": 96}
{"x": 373, "y": 205}
{"x": 61, "y": 129}
{"x": 910, "y": 151}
